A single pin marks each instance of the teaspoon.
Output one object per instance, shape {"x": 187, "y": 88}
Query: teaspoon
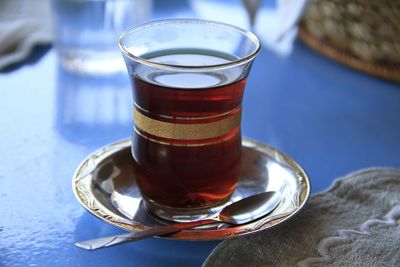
{"x": 243, "y": 211}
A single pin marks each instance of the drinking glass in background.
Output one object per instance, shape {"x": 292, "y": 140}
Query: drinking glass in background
{"x": 86, "y": 32}
{"x": 188, "y": 78}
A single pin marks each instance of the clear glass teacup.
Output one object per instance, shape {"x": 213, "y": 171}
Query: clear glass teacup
{"x": 188, "y": 77}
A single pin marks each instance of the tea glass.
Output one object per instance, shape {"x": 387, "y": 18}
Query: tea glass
{"x": 188, "y": 77}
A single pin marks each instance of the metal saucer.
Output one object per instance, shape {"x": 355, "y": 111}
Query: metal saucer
{"x": 105, "y": 185}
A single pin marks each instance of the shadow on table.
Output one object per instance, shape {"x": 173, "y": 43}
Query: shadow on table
{"x": 93, "y": 110}
{"x": 148, "y": 252}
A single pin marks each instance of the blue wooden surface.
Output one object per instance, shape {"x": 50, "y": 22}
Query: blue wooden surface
{"x": 331, "y": 119}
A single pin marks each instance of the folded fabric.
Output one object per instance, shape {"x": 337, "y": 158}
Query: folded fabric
{"x": 23, "y": 24}
{"x": 354, "y": 223}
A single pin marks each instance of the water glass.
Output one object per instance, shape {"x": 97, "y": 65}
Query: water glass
{"x": 86, "y": 32}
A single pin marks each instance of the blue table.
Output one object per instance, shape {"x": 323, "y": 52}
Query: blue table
{"x": 331, "y": 119}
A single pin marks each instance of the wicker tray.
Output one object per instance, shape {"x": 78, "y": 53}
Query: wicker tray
{"x": 330, "y": 27}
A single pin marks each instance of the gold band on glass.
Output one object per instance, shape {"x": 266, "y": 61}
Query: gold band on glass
{"x": 194, "y": 131}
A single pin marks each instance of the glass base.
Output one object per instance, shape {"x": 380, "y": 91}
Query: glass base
{"x": 91, "y": 62}
{"x": 182, "y": 215}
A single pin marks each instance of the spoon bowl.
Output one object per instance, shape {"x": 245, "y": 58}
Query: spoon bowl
{"x": 250, "y": 208}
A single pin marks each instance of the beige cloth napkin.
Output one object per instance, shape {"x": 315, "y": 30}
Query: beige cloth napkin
{"x": 23, "y": 24}
{"x": 354, "y": 223}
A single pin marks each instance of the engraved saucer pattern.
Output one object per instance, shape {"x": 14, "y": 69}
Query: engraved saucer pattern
{"x": 105, "y": 185}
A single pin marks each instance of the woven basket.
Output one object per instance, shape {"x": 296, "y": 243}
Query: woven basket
{"x": 362, "y": 34}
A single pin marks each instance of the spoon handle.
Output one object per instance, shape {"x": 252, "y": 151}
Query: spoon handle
{"x": 109, "y": 241}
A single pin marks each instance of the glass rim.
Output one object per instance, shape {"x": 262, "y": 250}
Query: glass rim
{"x": 151, "y": 63}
